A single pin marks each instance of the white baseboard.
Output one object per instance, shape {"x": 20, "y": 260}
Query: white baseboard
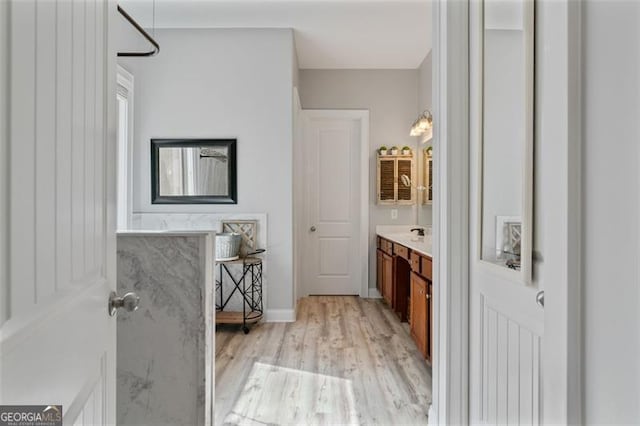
{"x": 280, "y": 315}
{"x": 374, "y": 293}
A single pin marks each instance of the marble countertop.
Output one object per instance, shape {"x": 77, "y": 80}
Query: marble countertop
{"x": 163, "y": 233}
{"x": 402, "y": 234}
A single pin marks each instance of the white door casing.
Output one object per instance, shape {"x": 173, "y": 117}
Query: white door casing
{"x": 125, "y": 99}
{"x": 336, "y": 201}
{"x": 450, "y": 213}
{"x": 58, "y": 342}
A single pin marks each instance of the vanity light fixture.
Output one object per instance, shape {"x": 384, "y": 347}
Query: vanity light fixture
{"x": 423, "y": 123}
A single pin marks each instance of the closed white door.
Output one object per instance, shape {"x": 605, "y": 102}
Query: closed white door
{"x": 334, "y": 257}
{"x": 58, "y": 340}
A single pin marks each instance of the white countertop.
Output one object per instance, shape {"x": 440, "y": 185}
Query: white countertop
{"x": 163, "y": 233}
{"x": 402, "y": 234}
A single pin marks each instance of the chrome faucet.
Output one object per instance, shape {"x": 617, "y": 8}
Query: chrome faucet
{"x": 420, "y": 231}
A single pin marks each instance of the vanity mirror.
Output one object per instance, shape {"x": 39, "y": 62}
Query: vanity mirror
{"x": 505, "y": 211}
{"x": 193, "y": 171}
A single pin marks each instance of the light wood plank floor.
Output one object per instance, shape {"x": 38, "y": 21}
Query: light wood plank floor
{"x": 345, "y": 360}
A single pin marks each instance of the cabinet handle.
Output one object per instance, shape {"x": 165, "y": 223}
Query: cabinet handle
{"x": 428, "y": 296}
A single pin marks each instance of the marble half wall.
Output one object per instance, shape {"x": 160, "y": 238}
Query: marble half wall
{"x": 212, "y": 222}
{"x": 166, "y": 347}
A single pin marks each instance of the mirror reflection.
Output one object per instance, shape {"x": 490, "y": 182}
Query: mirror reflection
{"x": 194, "y": 171}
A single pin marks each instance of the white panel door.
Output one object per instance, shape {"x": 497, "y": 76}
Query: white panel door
{"x": 507, "y": 325}
{"x": 524, "y": 358}
{"x": 333, "y": 250}
{"x": 57, "y": 339}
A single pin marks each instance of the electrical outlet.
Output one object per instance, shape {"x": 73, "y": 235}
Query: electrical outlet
{"x": 394, "y": 214}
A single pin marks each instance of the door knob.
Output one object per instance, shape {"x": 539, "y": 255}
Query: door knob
{"x": 128, "y": 302}
{"x": 540, "y": 298}
{"x": 312, "y": 229}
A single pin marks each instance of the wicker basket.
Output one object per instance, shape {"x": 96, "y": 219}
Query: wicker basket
{"x": 227, "y": 245}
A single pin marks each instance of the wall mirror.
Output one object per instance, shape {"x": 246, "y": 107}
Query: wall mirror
{"x": 193, "y": 171}
{"x": 507, "y": 136}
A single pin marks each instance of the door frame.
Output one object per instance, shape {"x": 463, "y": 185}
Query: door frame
{"x": 125, "y": 87}
{"x": 451, "y": 82}
{"x": 450, "y": 359}
{"x": 300, "y": 174}
{"x": 4, "y": 163}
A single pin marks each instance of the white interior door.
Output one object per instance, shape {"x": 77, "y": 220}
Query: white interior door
{"x": 507, "y": 324}
{"x": 524, "y": 358}
{"x": 58, "y": 341}
{"x": 335, "y": 260}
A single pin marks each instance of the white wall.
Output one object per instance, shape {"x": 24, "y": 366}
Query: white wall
{"x": 425, "y": 101}
{"x": 391, "y": 96}
{"x": 611, "y": 215}
{"x": 231, "y": 83}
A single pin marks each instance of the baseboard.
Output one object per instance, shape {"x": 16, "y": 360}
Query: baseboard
{"x": 280, "y": 315}
{"x": 374, "y": 293}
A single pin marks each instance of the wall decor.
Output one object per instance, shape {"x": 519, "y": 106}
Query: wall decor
{"x": 193, "y": 171}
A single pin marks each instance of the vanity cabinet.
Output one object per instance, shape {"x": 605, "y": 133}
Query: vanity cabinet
{"x": 391, "y": 190}
{"x": 405, "y": 281}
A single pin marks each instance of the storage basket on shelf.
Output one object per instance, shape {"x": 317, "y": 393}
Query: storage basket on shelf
{"x": 227, "y": 246}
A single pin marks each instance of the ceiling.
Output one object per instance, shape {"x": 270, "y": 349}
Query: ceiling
{"x": 329, "y": 34}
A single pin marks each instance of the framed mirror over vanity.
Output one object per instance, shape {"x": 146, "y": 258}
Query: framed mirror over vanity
{"x": 194, "y": 171}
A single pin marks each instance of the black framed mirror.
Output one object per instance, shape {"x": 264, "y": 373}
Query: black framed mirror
{"x": 193, "y": 171}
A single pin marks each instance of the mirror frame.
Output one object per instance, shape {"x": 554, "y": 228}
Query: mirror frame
{"x": 524, "y": 275}
{"x": 230, "y": 144}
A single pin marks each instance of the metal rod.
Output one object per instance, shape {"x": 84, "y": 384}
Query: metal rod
{"x": 156, "y": 46}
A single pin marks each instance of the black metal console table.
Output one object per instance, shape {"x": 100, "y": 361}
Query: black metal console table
{"x": 248, "y": 283}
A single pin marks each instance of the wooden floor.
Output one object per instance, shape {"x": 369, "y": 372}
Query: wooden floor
{"x": 345, "y": 360}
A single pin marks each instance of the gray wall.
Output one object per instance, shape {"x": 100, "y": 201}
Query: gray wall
{"x": 611, "y": 197}
{"x": 391, "y": 96}
{"x": 230, "y": 83}
{"x": 425, "y": 101}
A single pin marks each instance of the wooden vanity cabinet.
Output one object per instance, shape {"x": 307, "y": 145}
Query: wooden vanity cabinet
{"x": 404, "y": 279}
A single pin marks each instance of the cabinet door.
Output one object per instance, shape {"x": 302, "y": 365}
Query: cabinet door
{"x": 387, "y": 278}
{"x": 419, "y": 314}
{"x": 405, "y": 193}
{"x": 379, "y": 272}
{"x": 387, "y": 185}
{"x": 429, "y": 341}
{"x": 428, "y": 177}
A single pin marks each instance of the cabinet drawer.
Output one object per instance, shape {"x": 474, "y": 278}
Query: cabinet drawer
{"x": 387, "y": 247}
{"x": 401, "y": 251}
{"x": 427, "y": 267}
{"x": 415, "y": 262}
